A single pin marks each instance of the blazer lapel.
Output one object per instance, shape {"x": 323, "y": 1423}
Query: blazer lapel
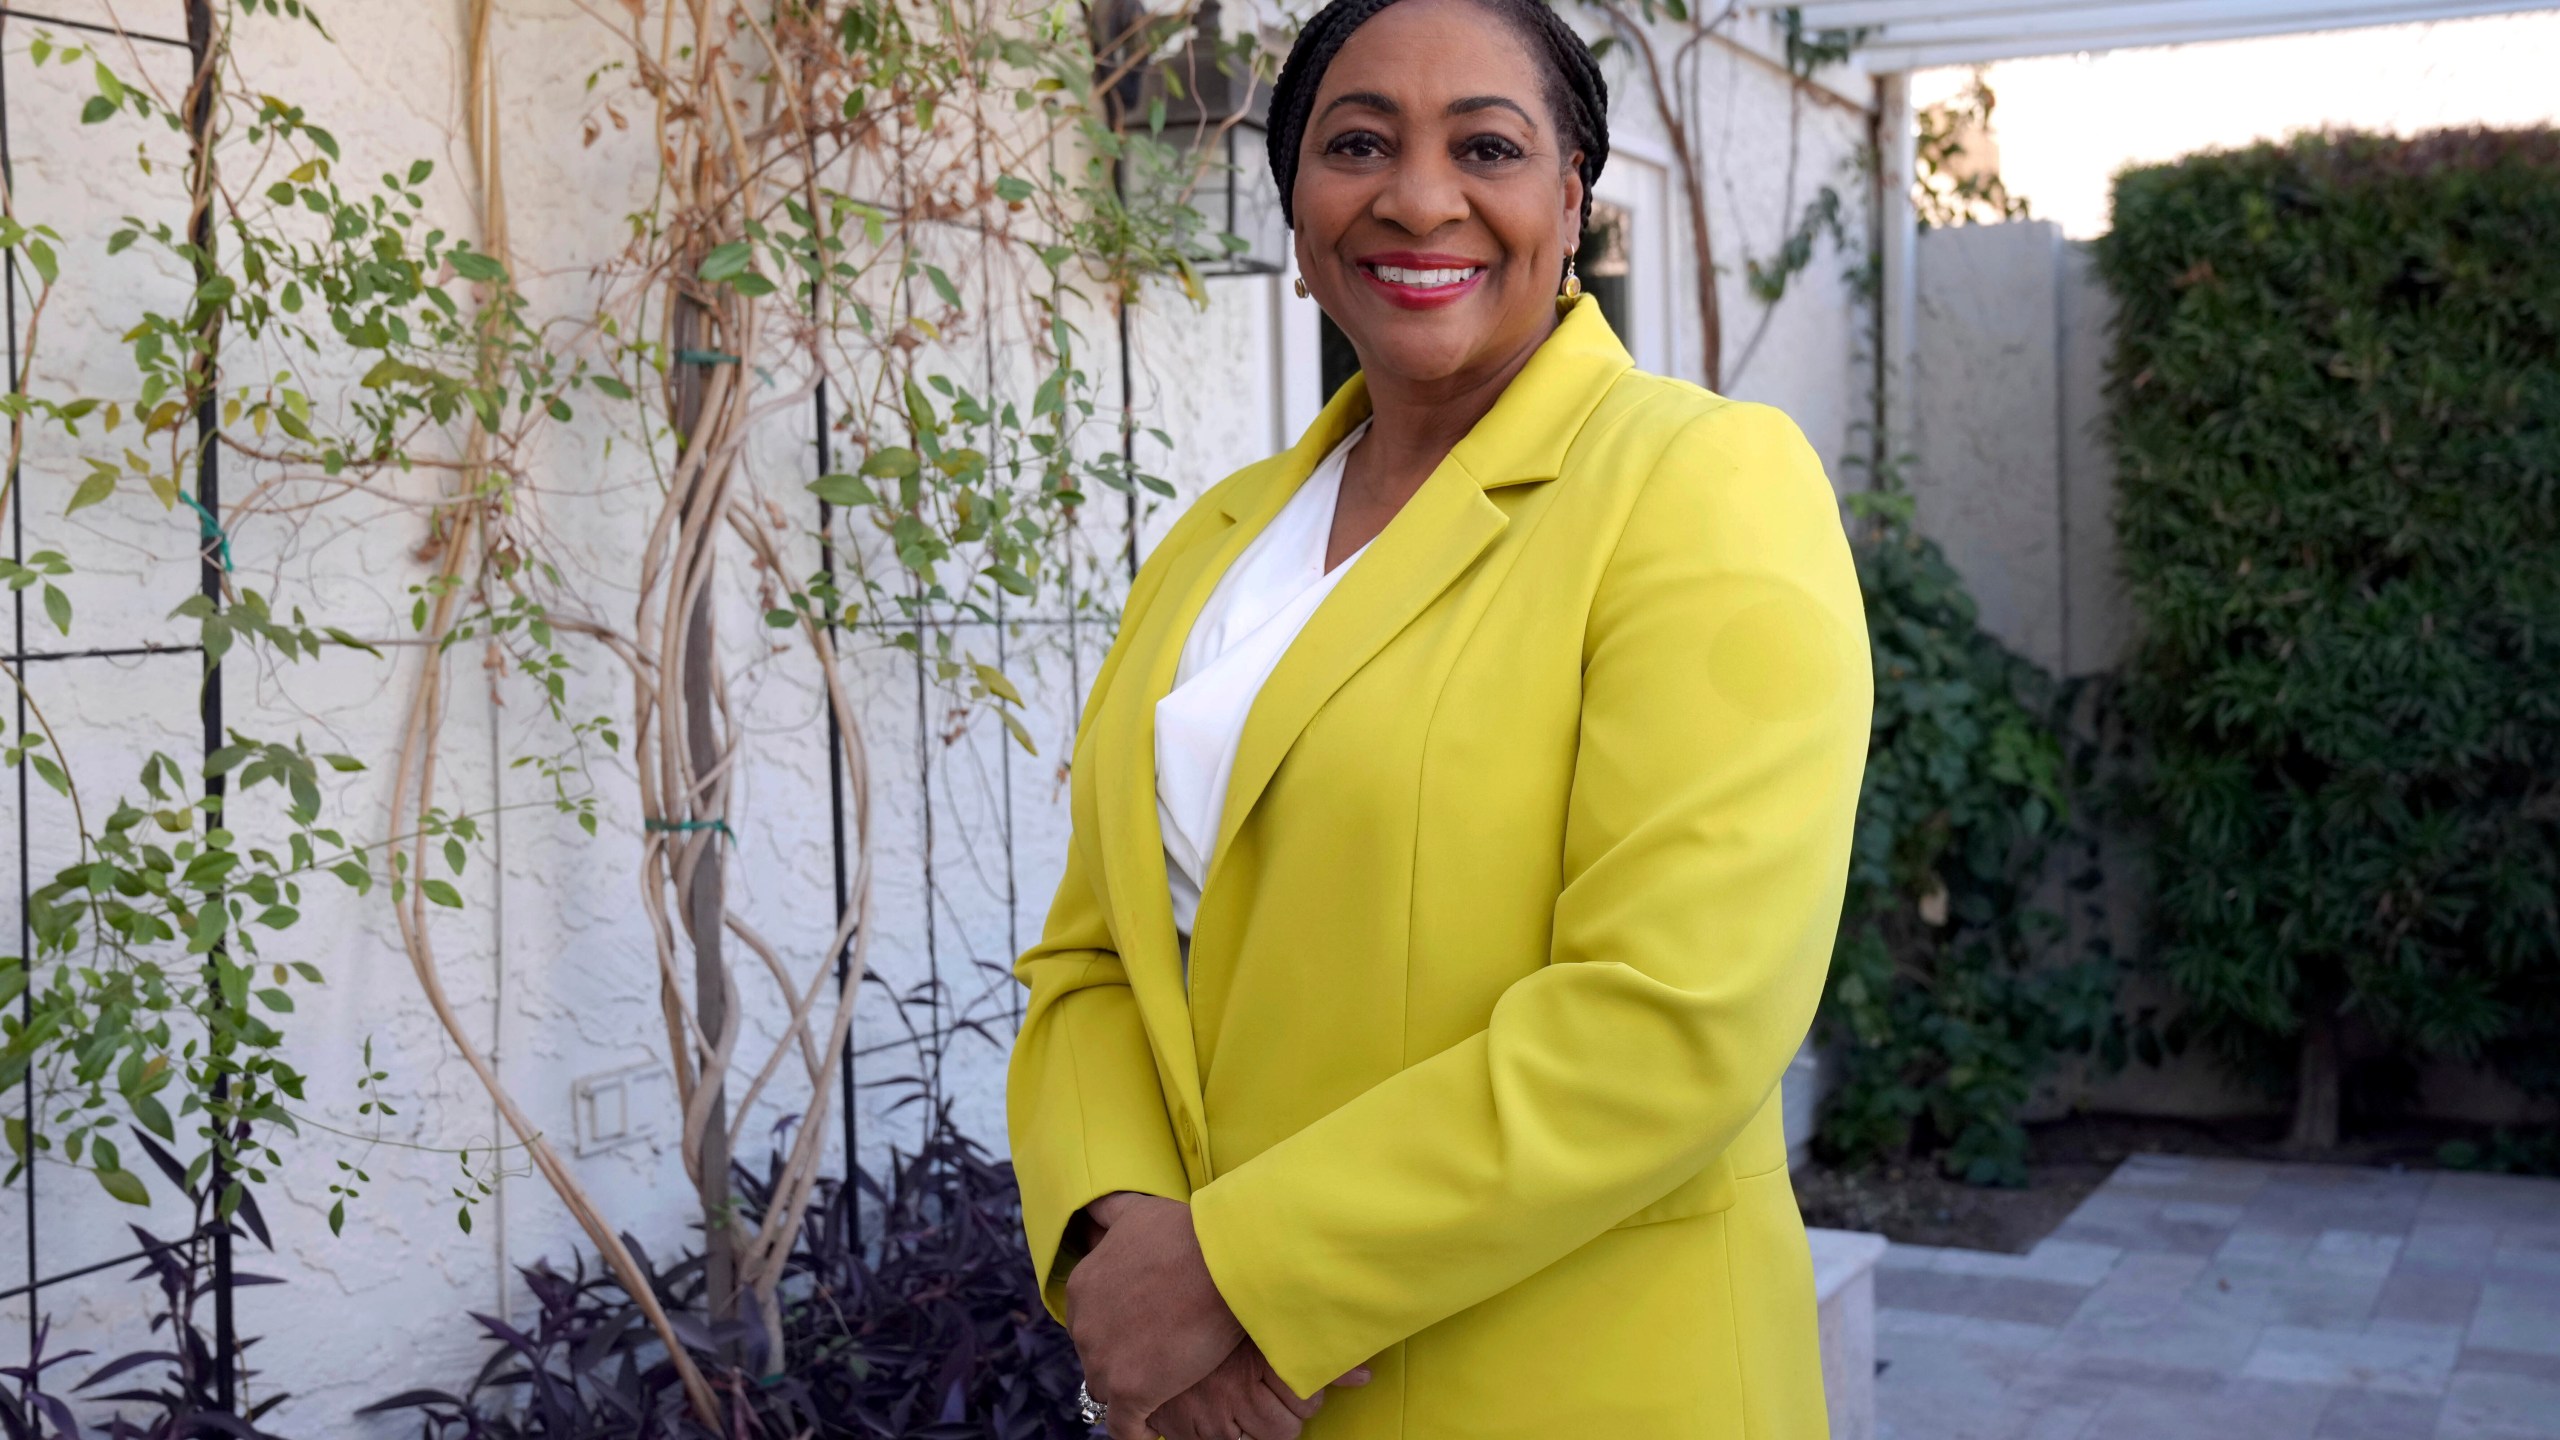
{"x": 1427, "y": 546}
{"x": 1132, "y": 842}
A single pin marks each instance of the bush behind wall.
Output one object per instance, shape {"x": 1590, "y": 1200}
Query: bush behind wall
{"x": 1950, "y": 994}
{"x": 2336, "y": 396}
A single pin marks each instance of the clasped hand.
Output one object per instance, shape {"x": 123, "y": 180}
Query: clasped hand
{"x": 1159, "y": 1345}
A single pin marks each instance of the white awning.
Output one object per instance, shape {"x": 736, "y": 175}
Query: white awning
{"x": 1918, "y": 34}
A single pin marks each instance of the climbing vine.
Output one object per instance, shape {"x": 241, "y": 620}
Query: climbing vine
{"x": 850, "y": 198}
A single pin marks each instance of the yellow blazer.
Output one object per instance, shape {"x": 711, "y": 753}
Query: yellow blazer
{"x": 1521, "y": 904}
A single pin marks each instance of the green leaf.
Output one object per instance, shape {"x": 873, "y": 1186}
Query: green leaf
{"x": 124, "y": 1185}
{"x": 472, "y": 265}
{"x": 419, "y": 170}
{"x": 997, "y": 685}
{"x": 99, "y": 109}
{"x": 153, "y": 1115}
{"x": 276, "y": 1000}
{"x": 843, "y": 490}
{"x": 352, "y": 643}
{"x": 1011, "y": 190}
{"x": 387, "y": 372}
{"x": 57, "y": 608}
{"x": 1021, "y": 736}
{"x": 894, "y": 462}
{"x": 726, "y": 262}
{"x": 610, "y": 386}
{"x": 752, "y": 285}
{"x": 442, "y": 893}
{"x": 353, "y": 874}
{"x": 99, "y": 485}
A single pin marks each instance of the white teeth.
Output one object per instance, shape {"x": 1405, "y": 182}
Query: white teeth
{"x": 1425, "y": 279}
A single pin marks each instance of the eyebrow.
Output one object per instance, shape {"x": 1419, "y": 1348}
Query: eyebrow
{"x": 1372, "y": 100}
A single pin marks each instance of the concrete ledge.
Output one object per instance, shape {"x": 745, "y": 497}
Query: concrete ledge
{"x": 1844, "y": 1287}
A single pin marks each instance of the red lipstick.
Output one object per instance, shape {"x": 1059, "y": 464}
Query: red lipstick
{"x": 1408, "y": 291}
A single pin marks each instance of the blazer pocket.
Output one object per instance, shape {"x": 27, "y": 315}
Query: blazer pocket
{"x": 1704, "y": 1193}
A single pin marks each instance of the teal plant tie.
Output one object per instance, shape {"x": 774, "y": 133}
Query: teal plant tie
{"x": 705, "y": 357}
{"x": 683, "y": 826}
{"x": 211, "y": 530}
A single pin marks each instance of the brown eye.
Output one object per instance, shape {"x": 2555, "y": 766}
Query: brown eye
{"x": 1485, "y": 149}
{"x": 1357, "y": 144}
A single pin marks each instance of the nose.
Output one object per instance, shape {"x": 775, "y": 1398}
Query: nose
{"x": 1425, "y": 192}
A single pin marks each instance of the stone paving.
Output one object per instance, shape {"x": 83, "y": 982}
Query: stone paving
{"x": 2215, "y": 1298}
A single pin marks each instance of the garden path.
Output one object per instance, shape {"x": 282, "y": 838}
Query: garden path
{"x": 2206, "y": 1298}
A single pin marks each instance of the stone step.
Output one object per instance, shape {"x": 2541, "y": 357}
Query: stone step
{"x": 1844, "y": 1263}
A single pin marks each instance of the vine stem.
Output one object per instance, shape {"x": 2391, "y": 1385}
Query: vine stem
{"x": 70, "y": 786}
{"x": 1693, "y": 189}
{"x": 415, "y": 783}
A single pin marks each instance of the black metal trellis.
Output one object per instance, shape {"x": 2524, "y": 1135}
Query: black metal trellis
{"x": 835, "y": 786}
{"x": 198, "y": 44}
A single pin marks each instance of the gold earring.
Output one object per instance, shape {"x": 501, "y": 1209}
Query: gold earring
{"x": 1299, "y": 285}
{"x": 1572, "y": 284}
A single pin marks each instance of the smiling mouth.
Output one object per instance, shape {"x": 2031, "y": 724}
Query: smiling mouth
{"x": 1430, "y": 279}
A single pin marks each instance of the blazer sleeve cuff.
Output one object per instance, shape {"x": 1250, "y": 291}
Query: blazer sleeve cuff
{"x": 1087, "y": 1119}
{"x": 1234, "y": 1239}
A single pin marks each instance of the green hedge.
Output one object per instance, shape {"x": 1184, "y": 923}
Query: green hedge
{"x": 2336, "y": 390}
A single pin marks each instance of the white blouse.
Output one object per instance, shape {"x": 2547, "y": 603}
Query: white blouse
{"x": 1257, "y": 609}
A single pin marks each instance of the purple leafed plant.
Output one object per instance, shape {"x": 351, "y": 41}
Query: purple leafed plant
{"x": 909, "y": 1311}
{"x": 171, "y": 1391}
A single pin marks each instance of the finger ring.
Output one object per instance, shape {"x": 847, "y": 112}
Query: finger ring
{"x": 1088, "y": 1409}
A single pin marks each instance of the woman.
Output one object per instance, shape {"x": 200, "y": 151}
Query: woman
{"x": 1461, "y": 820}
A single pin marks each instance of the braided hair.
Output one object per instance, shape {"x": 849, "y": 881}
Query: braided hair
{"x": 1576, "y": 93}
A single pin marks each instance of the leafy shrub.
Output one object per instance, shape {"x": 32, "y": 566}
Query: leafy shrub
{"x": 929, "y": 1327}
{"x": 2336, "y": 390}
{"x": 1943, "y": 1008}
{"x": 2506, "y": 1152}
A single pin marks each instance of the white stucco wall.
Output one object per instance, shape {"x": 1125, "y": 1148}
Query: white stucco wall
{"x": 550, "y": 960}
